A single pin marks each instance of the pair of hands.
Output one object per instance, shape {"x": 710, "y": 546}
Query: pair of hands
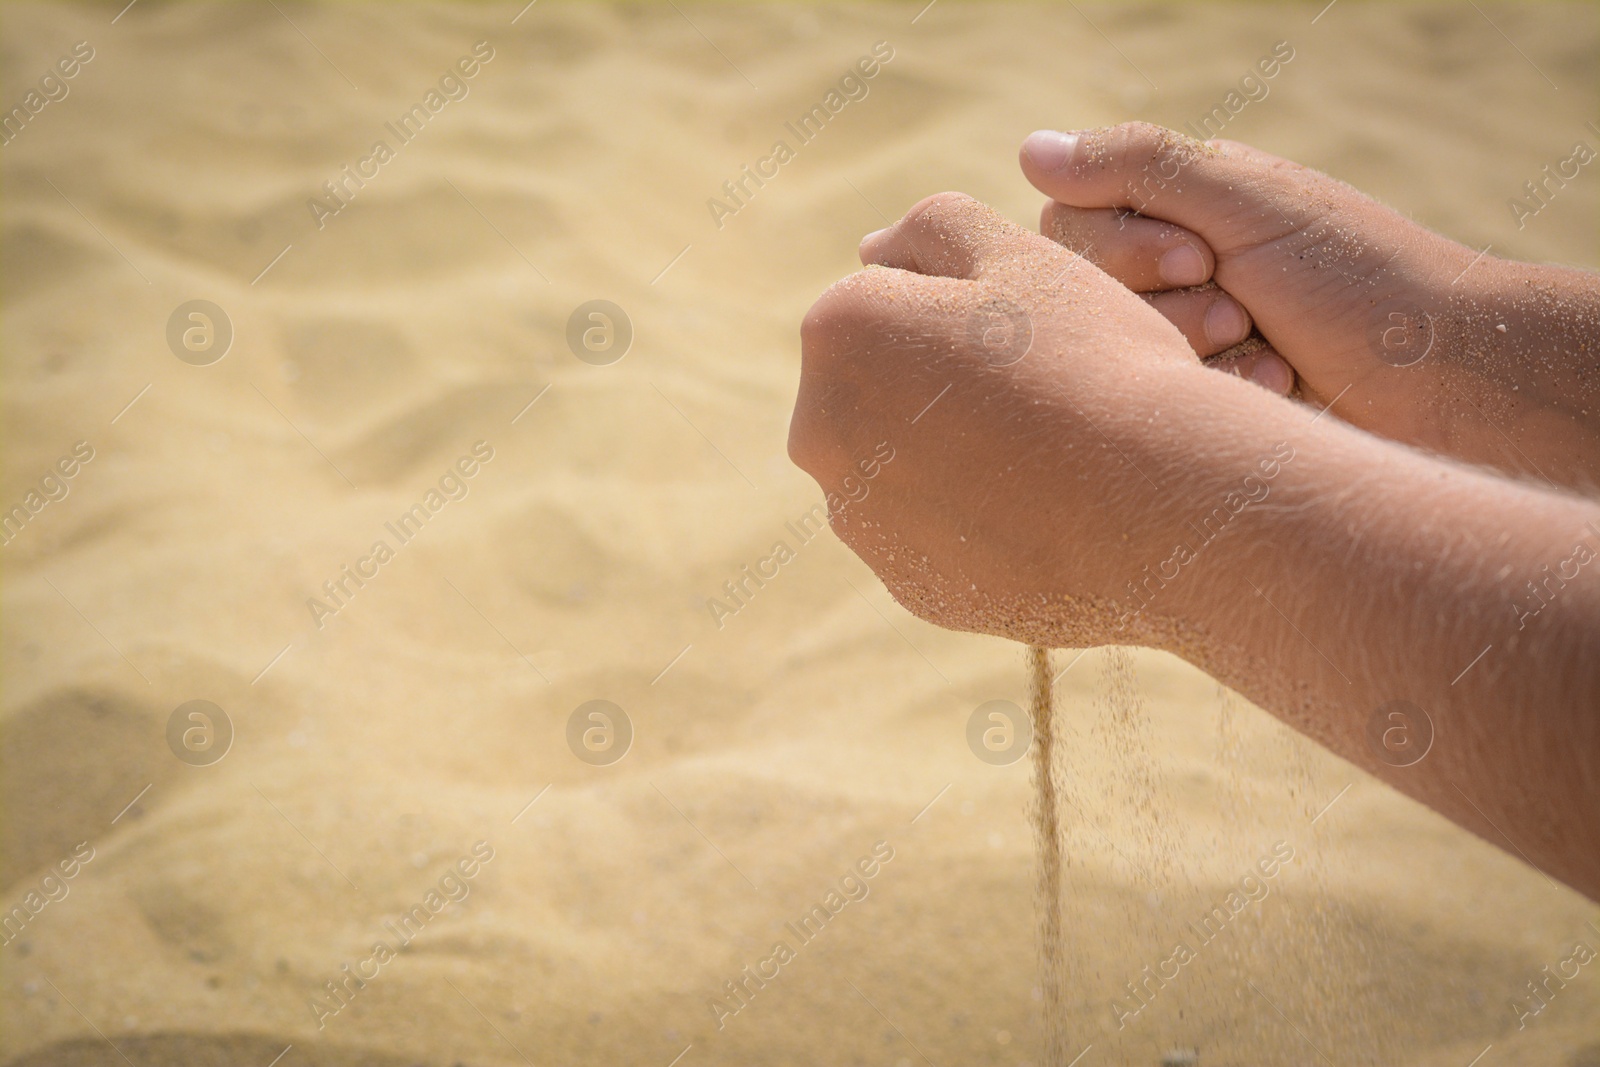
{"x": 1029, "y": 383}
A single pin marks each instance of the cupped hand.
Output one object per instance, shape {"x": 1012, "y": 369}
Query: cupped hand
{"x": 1023, "y": 394}
{"x": 1352, "y": 294}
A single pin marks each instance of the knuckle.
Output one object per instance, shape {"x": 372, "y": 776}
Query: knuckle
{"x": 1148, "y": 159}
{"x": 813, "y": 433}
{"x": 939, "y": 204}
{"x": 803, "y": 451}
{"x": 1138, "y": 144}
{"x": 839, "y": 306}
{"x": 838, "y": 325}
{"x": 816, "y": 326}
{"x": 944, "y": 216}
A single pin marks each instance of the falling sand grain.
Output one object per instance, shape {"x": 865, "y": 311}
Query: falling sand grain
{"x": 1047, "y": 782}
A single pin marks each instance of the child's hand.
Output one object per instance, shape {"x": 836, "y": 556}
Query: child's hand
{"x": 1019, "y": 445}
{"x": 1171, "y": 268}
{"x": 1021, "y": 391}
{"x": 1409, "y": 334}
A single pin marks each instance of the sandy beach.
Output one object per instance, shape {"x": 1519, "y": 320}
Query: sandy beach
{"x": 264, "y": 347}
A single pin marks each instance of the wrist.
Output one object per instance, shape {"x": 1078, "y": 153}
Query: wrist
{"x": 1207, "y": 452}
{"x": 1507, "y": 320}
{"x": 1525, "y": 362}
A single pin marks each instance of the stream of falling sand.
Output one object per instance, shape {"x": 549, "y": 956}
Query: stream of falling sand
{"x": 1047, "y": 845}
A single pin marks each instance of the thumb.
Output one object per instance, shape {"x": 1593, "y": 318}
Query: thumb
{"x": 1232, "y": 196}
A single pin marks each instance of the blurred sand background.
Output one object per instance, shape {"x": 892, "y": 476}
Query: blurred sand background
{"x": 370, "y": 755}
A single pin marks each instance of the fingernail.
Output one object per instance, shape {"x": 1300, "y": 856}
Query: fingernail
{"x": 1183, "y": 265}
{"x": 1050, "y": 150}
{"x": 1226, "y": 323}
{"x": 1273, "y": 375}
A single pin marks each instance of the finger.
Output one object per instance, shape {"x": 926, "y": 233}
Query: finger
{"x": 955, "y": 236}
{"x": 1143, "y": 254}
{"x": 905, "y": 322}
{"x": 869, "y": 310}
{"x": 1209, "y": 319}
{"x": 1167, "y": 175}
{"x": 1261, "y": 364}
